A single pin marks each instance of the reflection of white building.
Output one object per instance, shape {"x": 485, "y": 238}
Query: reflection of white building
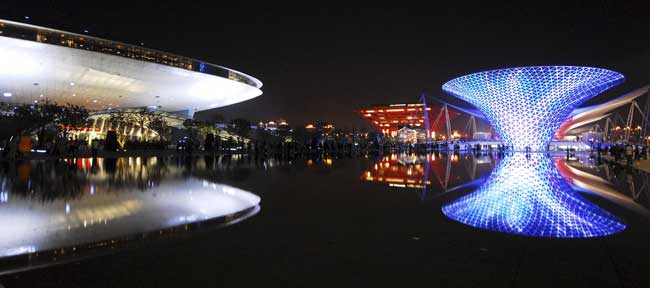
{"x": 38, "y": 63}
{"x": 107, "y": 213}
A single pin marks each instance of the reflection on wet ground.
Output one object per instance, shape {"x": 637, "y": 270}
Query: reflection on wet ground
{"x": 338, "y": 207}
{"x": 449, "y": 171}
{"x": 56, "y": 210}
{"x": 525, "y": 194}
{"x": 620, "y": 184}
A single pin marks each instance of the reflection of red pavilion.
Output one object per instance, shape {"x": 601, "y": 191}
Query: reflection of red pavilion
{"x": 390, "y": 118}
{"x": 409, "y": 170}
{"x": 418, "y": 171}
{"x": 390, "y": 171}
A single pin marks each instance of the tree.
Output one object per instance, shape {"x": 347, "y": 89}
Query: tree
{"x": 300, "y": 134}
{"x": 241, "y": 127}
{"x": 206, "y": 127}
{"x": 120, "y": 121}
{"x": 27, "y": 118}
{"x": 190, "y": 126}
{"x": 158, "y": 123}
{"x": 142, "y": 119}
{"x": 72, "y": 117}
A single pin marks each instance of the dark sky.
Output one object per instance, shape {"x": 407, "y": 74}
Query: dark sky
{"x": 320, "y": 63}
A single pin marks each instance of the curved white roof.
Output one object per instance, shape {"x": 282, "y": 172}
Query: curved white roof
{"x": 32, "y": 71}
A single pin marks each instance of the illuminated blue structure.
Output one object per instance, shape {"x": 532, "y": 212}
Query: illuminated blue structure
{"x": 526, "y": 195}
{"x": 527, "y": 105}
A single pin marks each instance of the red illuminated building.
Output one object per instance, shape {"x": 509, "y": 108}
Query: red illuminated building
{"x": 390, "y": 118}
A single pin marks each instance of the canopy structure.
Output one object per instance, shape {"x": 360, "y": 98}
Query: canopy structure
{"x": 527, "y": 105}
{"x": 41, "y": 64}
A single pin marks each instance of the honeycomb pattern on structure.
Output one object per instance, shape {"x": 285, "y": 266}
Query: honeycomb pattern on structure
{"x": 526, "y": 195}
{"x": 526, "y": 105}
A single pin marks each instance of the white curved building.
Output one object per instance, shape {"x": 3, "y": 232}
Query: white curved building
{"x": 38, "y": 63}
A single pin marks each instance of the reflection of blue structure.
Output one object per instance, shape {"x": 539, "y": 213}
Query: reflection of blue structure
{"x": 527, "y": 105}
{"x": 526, "y": 195}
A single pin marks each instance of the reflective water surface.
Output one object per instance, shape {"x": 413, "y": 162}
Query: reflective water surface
{"x": 55, "y": 210}
{"x": 82, "y": 205}
{"x": 526, "y": 195}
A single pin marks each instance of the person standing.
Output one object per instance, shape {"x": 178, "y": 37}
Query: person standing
{"x": 25, "y": 146}
{"x": 94, "y": 146}
{"x": 629, "y": 152}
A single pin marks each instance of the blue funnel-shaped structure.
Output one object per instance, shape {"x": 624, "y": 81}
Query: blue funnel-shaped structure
{"x": 526, "y": 105}
{"x": 526, "y": 195}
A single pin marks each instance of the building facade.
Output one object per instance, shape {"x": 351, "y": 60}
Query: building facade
{"x": 388, "y": 119}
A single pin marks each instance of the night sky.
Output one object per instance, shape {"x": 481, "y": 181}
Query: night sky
{"x": 320, "y": 63}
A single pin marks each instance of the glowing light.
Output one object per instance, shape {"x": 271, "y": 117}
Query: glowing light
{"x": 526, "y": 105}
{"x": 7, "y": 94}
{"x": 526, "y": 195}
{"x": 67, "y": 69}
{"x": 177, "y": 202}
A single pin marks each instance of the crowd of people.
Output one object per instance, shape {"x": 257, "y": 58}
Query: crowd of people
{"x": 20, "y": 147}
{"x": 23, "y": 146}
{"x": 631, "y": 153}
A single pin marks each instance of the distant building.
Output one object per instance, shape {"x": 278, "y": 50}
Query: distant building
{"x": 482, "y": 136}
{"x": 618, "y": 133}
{"x": 407, "y": 135}
{"x": 388, "y": 119}
{"x": 274, "y": 125}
